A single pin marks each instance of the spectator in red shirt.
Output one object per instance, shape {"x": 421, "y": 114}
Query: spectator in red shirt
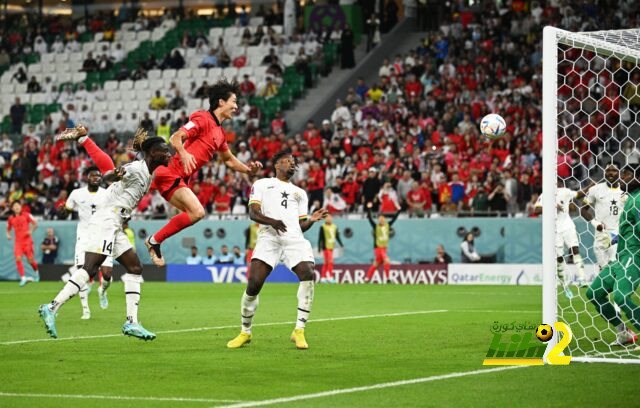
{"x": 316, "y": 182}
{"x": 278, "y": 124}
{"x": 413, "y": 87}
{"x": 418, "y": 200}
{"x": 350, "y": 189}
{"x": 247, "y": 88}
{"x": 222, "y": 202}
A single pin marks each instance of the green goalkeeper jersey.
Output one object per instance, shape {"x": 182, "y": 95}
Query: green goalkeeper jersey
{"x": 629, "y": 228}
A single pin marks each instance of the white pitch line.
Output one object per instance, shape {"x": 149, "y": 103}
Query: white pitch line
{"x": 368, "y": 387}
{"x": 496, "y": 311}
{"x": 197, "y": 329}
{"x": 112, "y": 397}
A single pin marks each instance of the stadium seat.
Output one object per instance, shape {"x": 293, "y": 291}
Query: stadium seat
{"x": 129, "y": 36}
{"x": 34, "y": 68}
{"x": 216, "y": 32}
{"x": 141, "y": 84}
{"x": 184, "y": 73}
{"x": 127, "y": 84}
{"x": 157, "y": 84}
{"x": 168, "y": 74}
{"x": 88, "y": 47}
{"x": 199, "y": 74}
{"x": 21, "y": 88}
{"x": 110, "y": 86}
{"x": 256, "y": 21}
{"x": 47, "y": 59}
{"x": 154, "y": 74}
{"x": 143, "y": 35}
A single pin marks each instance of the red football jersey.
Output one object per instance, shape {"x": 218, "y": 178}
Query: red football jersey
{"x": 205, "y": 137}
{"x": 20, "y": 224}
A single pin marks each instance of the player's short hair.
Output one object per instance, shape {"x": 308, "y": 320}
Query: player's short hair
{"x": 280, "y": 155}
{"x": 90, "y": 169}
{"x": 223, "y": 89}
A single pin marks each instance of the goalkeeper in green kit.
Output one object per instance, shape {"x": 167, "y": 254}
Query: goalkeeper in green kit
{"x": 622, "y": 275}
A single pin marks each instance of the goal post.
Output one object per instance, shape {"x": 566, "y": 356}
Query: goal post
{"x": 590, "y": 115}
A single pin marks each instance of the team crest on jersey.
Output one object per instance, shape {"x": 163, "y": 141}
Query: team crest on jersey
{"x": 297, "y": 196}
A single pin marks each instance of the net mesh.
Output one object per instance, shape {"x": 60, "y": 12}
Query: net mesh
{"x": 598, "y": 113}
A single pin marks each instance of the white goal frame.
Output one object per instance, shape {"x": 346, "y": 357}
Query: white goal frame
{"x": 592, "y": 41}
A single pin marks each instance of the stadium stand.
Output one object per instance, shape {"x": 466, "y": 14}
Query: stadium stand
{"x": 415, "y": 123}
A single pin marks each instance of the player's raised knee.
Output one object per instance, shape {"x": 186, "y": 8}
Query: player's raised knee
{"x": 197, "y": 213}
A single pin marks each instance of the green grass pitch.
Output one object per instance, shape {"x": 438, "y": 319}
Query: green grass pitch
{"x": 363, "y": 335}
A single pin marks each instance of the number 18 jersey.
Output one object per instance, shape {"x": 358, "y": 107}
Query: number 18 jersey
{"x": 282, "y": 201}
{"x": 607, "y": 203}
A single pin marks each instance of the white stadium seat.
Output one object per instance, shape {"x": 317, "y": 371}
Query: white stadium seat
{"x": 143, "y": 35}
{"x": 199, "y": 74}
{"x": 184, "y": 73}
{"x": 141, "y": 84}
{"x": 126, "y": 85}
{"x": 154, "y": 74}
{"x": 156, "y": 84}
{"x": 110, "y": 86}
{"x": 168, "y": 74}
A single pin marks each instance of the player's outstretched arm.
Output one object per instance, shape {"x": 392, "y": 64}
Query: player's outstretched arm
{"x": 233, "y": 163}
{"x": 369, "y": 217}
{"x": 256, "y": 215}
{"x": 307, "y": 223}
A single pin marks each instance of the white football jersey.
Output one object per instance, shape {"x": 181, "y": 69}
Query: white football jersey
{"x": 607, "y": 203}
{"x": 564, "y": 196}
{"x": 85, "y": 203}
{"x": 282, "y": 201}
{"x": 125, "y": 195}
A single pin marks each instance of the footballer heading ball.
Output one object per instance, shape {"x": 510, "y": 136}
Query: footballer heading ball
{"x": 493, "y": 126}
{"x": 544, "y": 332}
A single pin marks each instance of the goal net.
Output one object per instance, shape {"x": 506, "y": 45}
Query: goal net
{"x": 591, "y": 127}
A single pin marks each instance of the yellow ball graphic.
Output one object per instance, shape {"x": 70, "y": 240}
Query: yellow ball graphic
{"x": 544, "y": 332}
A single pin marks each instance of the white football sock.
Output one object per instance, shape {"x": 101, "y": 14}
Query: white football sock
{"x": 84, "y": 299}
{"x": 248, "y": 307}
{"x": 577, "y": 259}
{"x": 70, "y": 289}
{"x": 305, "y": 300}
{"x": 106, "y": 283}
{"x": 561, "y": 266}
{"x": 132, "y": 295}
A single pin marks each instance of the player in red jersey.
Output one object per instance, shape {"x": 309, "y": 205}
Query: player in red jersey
{"x": 21, "y": 222}
{"x": 203, "y": 136}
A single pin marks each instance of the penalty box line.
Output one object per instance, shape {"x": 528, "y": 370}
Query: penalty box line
{"x": 367, "y": 388}
{"x": 197, "y": 329}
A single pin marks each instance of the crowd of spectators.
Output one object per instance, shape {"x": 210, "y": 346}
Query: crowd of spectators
{"x": 408, "y": 140}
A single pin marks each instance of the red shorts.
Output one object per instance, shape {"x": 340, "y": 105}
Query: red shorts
{"x": 167, "y": 181}
{"x": 380, "y": 255}
{"x": 328, "y": 255}
{"x": 23, "y": 248}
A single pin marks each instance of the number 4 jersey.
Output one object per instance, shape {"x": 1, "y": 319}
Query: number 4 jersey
{"x": 85, "y": 203}
{"x": 282, "y": 201}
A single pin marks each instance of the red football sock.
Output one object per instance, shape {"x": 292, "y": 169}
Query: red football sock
{"x": 371, "y": 271}
{"x": 330, "y": 270}
{"x": 386, "y": 270}
{"x": 323, "y": 273}
{"x": 100, "y": 158}
{"x": 34, "y": 265}
{"x": 175, "y": 225}
{"x": 20, "y": 267}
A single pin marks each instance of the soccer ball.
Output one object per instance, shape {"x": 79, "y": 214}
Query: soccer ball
{"x": 544, "y": 333}
{"x": 493, "y": 126}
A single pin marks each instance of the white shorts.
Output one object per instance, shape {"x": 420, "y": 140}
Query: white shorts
{"x": 271, "y": 250}
{"x": 604, "y": 255}
{"x": 107, "y": 236}
{"x": 566, "y": 238}
{"x": 80, "y": 254}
